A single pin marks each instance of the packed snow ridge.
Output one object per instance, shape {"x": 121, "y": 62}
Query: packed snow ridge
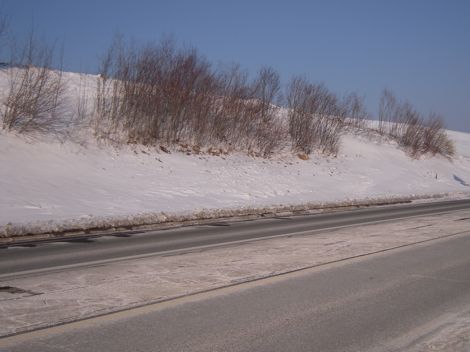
{"x": 45, "y": 180}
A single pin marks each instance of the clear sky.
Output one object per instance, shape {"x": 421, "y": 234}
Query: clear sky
{"x": 420, "y": 49}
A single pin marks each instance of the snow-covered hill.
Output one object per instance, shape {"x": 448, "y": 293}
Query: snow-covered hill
{"x": 43, "y": 180}
{"x": 54, "y": 181}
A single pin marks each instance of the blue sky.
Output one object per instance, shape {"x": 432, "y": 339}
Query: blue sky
{"x": 420, "y": 49}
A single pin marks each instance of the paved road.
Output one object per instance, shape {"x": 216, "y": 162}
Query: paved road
{"x": 361, "y": 305}
{"x": 46, "y": 256}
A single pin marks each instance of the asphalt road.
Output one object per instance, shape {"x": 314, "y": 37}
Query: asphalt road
{"x": 360, "y": 305}
{"x": 39, "y": 257}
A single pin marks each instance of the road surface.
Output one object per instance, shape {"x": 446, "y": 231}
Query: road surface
{"x": 372, "y": 304}
{"x": 40, "y": 257}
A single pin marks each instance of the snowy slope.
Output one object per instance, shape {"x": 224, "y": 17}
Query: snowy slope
{"x": 43, "y": 180}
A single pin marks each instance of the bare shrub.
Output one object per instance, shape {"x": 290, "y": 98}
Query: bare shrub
{"x": 230, "y": 111}
{"x": 408, "y": 129}
{"x": 354, "y": 111}
{"x": 159, "y": 93}
{"x": 411, "y": 130}
{"x": 33, "y": 103}
{"x": 107, "y": 100}
{"x": 435, "y": 139}
{"x": 244, "y": 113}
{"x": 387, "y": 111}
{"x": 315, "y": 117}
{"x": 266, "y": 93}
{"x": 156, "y": 93}
{"x": 82, "y": 103}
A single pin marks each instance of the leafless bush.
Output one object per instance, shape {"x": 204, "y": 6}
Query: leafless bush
{"x": 315, "y": 117}
{"x": 161, "y": 94}
{"x": 408, "y": 127}
{"x": 156, "y": 93}
{"x": 246, "y": 113}
{"x": 82, "y": 103}
{"x": 387, "y": 111}
{"x": 266, "y": 93}
{"x": 355, "y": 112}
{"x": 33, "y": 103}
{"x": 231, "y": 120}
{"x": 435, "y": 139}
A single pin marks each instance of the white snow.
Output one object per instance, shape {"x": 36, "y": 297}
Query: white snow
{"x": 42, "y": 180}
